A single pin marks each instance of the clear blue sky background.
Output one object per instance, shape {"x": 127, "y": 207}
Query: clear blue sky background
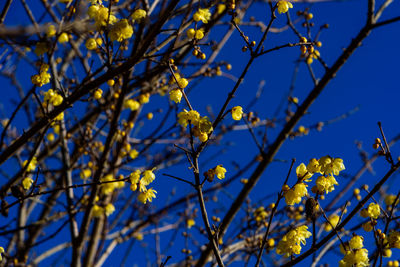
{"x": 369, "y": 80}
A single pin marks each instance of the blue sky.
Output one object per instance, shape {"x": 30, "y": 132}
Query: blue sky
{"x": 369, "y": 81}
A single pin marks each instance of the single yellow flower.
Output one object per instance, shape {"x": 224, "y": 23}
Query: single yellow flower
{"x": 27, "y": 183}
{"x": 175, "y": 95}
{"x": 202, "y": 14}
{"x": 91, "y": 44}
{"x": 220, "y": 172}
{"x": 63, "y": 38}
{"x": 139, "y": 14}
{"x": 283, "y": 6}
{"x": 237, "y": 113}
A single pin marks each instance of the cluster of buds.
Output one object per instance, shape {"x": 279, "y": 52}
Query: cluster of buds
{"x": 198, "y": 53}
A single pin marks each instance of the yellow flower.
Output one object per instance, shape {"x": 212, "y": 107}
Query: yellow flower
{"x": 32, "y": 164}
{"x": 98, "y": 94}
{"x": 52, "y": 97}
{"x": 292, "y": 241}
{"x": 220, "y": 172}
{"x": 144, "y": 98}
{"x": 260, "y": 214}
{"x": 147, "y": 196}
{"x": 175, "y": 95}
{"x": 325, "y": 184}
{"x": 374, "y": 210}
{"x": 97, "y": 211}
{"x": 389, "y": 200}
{"x": 60, "y": 116}
{"x": 302, "y": 173}
{"x": 185, "y": 116}
{"x": 1, "y": 251}
{"x": 27, "y": 183}
{"x": 182, "y": 82}
{"x": 132, "y": 104}
{"x": 133, "y": 153}
{"x": 101, "y": 15}
{"x": 357, "y": 258}
{"x": 394, "y": 239}
{"x": 148, "y": 177}
{"x": 330, "y": 165}
{"x": 294, "y": 195}
{"x": 202, "y": 14}
{"x": 134, "y": 177}
{"x": 334, "y": 220}
{"x": 108, "y": 187}
{"x": 91, "y": 44}
{"x": 204, "y": 125}
{"x": 221, "y": 8}
{"x": 199, "y": 34}
{"x": 203, "y": 137}
{"x": 283, "y": 6}
{"x": 139, "y": 236}
{"x": 121, "y": 30}
{"x": 63, "y": 38}
{"x": 387, "y": 253}
{"x": 237, "y": 113}
{"x": 43, "y": 77}
{"x": 51, "y": 30}
{"x": 356, "y": 242}
{"x": 109, "y": 209}
{"x": 190, "y": 223}
{"x": 86, "y": 173}
{"x": 138, "y": 14}
{"x": 313, "y": 166}
{"x": 191, "y": 33}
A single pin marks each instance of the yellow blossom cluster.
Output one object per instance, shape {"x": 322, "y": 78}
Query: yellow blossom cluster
{"x": 195, "y": 34}
{"x": 98, "y": 210}
{"x": 312, "y": 55}
{"x": 260, "y": 214}
{"x": 291, "y": 242}
{"x": 120, "y": 31}
{"x": 53, "y": 98}
{"x": 293, "y": 195}
{"x": 327, "y": 166}
{"x": 354, "y": 253}
{"x": 141, "y": 182}
{"x": 176, "y": 93}
{"x": 43, "y": 77}
{"x": 108, "y": 186}
{"x": 131, "y": 104}
{"x": 201, "y": 125}
{"x": 128, "y": 150}
{"x": 372, "y": 211}
{"x": 101, "y": 15}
